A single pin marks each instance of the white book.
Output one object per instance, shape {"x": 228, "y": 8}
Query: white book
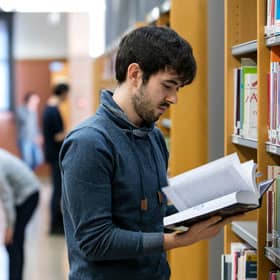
{"x": 222, "y": 187}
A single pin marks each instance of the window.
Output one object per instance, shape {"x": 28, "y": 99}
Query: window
{"x": 5, "y": 61}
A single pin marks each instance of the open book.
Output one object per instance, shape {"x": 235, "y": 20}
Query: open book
{"x": 223, "y": 187}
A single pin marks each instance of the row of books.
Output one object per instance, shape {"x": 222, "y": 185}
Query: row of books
{"x": 274, "y": 275}
{"x": 246, "y": 99}
{"x": 272, "y": 18}
{"x": 240, "y": 264}
{"x": 273, "y": 211}
{"x": 274, "y": 96}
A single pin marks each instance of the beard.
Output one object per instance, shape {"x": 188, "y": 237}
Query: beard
{"x": 144, "y": 107}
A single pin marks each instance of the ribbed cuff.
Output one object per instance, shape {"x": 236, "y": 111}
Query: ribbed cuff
{"x": 152, "y": 243}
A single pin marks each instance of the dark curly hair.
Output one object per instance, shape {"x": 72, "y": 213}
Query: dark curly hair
{"x": 61, "y": 89}
{"x": 155, "y": 49}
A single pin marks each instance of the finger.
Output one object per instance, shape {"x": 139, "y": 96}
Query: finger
{"x": 209, "y": 222}
{"x": 233, "y": 218}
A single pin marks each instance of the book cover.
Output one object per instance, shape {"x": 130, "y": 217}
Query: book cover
{"x": 248, "y": 66}
{"x": 250, "y": 103}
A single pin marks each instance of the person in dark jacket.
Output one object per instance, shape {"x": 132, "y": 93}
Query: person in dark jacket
{"x": 114, "y": 166}
{"x": 54, "y": 133}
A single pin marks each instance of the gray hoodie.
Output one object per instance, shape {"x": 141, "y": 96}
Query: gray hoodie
{"x": 17, "y": 183}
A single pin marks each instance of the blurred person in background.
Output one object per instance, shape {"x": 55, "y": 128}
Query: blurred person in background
{"x": 4, "y": 258}
{"x": 19, "y": 193}
{"x": 29, "y": 135}
{"x": 54, "y": 133}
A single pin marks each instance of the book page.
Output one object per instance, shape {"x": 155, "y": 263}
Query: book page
{"x": 250, "y": 169}
{"x": 207, "y": 182}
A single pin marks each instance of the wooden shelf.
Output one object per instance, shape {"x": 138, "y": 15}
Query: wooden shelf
{"x": 246, "y": 230}
{"x": 244, "y": 35}
{"x": 189, "y": 126}
{"x": 244, "y": 48}
{"x": 250, "y": 143}
{"x": 273, "y": 41}
{"x": 273, "y": 254}
{"x": 272, "y": 148}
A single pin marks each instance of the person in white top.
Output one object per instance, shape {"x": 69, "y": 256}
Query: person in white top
{"x": 19, "y": 194}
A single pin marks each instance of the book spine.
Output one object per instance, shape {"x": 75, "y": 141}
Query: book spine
{"x": 277, "y": 227}
{"x": 269, "y": 107}
{"x": 270, "y": 195}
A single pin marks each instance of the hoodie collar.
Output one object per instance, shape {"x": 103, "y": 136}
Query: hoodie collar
{"x": 120, "y": 118}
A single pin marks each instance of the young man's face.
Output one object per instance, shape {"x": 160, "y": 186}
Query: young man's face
{"x": 154, "y": 98}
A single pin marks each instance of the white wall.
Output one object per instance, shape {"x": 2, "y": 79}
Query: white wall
{"x": 36, "y": 38}
{"x": 80, "y": 67}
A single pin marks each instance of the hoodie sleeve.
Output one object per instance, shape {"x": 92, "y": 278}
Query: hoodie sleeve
{"x": 6, "y": 196}
{"x": 87, "y": 165}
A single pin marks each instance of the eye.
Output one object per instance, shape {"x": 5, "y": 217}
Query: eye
{"x": 166, "y": 86}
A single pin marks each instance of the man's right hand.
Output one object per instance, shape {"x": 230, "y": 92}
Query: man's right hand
{"x": 199, "y": 231}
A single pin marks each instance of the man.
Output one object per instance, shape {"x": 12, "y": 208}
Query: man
{"x": 114, "y": 166}
{"x": 54, "y": 133}
{"x": 19, "y": 193}
{"x": 29, "y": 135}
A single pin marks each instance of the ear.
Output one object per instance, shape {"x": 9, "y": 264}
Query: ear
{"x": 134, "y": 74}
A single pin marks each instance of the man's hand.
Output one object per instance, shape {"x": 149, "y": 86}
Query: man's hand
{"x": 8, "y": 236}
{"x": 199, "y": 231}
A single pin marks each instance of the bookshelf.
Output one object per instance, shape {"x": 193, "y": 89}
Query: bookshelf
{"x": 244, "y": 37}
{"x": 247, "y": 231}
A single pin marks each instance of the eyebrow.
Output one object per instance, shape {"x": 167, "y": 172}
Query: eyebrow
{"x": 171, "y": 82}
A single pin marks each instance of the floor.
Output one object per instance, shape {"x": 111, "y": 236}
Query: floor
{"x": 46, "y": 255}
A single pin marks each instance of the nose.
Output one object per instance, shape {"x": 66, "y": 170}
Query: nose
{"x": 172, "y": 98}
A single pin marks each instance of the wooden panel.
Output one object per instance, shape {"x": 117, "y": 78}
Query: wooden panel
{"x": 189, "y": 132}
{"x": 97, "y": 70}
{"x": 242, "y": 16}
{"x": 189, "y": 263}
{"x": 8, "y": 132}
